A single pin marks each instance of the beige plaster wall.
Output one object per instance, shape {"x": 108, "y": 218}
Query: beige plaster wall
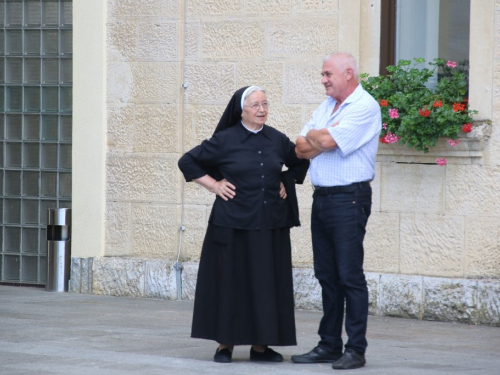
{"x": 481, "y": 42}
{"x": 89, "y": 126}
{"x": 427, "y": 220}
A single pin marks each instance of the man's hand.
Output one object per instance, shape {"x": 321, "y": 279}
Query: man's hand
{"x": 315, "y": 142}
{"x": 304, "y": 149}
{"x": 321, "y": 140}
{"x": 334, "y": 124}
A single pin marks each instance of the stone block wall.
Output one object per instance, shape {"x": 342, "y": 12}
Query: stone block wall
{"x": 412, "y": 297}
{"x": 143, "y": 97}
{"x": 435, "y": 221}
{"x": 172, "y": 66}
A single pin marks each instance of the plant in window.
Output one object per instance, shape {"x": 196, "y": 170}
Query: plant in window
{"x": 415, "y": 115}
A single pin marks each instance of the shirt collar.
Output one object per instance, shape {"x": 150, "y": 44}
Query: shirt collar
{"x": 244, "y": 133}
{"x": 358, "y": 91}
{"x": 250, "y": 130}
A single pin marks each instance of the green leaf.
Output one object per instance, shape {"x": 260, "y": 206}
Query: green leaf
{"x": 405, "y": 89}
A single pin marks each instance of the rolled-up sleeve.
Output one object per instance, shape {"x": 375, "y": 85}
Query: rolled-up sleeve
{"x": 194, "y": 163}
{"x": 357, "y": 127}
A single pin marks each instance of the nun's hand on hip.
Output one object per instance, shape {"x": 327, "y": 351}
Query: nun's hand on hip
{"x": 282, "y": 191}
{"x": 224, "y": 189}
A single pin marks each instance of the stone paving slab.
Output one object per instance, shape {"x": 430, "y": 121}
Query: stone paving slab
{"x": 65, "y": 333}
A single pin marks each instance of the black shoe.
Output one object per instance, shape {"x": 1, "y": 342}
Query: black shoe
{"x": 317, "y": 355}
{"x": 223, "y": 355}
{"x": 267, "y": 355}
{"x": 350, "y": 360}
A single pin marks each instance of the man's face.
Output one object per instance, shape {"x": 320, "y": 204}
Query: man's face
{"x": 333, "y": 79}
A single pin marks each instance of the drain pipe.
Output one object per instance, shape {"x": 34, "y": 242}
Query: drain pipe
{"x": 178, "y": 265}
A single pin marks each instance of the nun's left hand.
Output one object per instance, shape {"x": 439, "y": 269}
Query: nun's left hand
{"x": 282, "y": 191}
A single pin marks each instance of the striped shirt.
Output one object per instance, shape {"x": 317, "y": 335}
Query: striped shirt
{"x": 356, "y": 135}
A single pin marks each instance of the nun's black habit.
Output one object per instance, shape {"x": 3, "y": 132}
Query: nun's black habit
{"x": 244, "y": 291}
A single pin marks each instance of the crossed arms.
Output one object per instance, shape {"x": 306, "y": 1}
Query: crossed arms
{"x": 314, "y": 143}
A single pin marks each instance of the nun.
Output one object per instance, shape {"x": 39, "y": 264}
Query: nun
{"x": 244, "y": 290}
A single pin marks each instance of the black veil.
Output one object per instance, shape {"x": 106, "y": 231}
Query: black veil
{"x": 230, "y": 117}
{"x": 233, "y": 111}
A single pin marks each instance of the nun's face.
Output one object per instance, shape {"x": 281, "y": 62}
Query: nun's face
{"x": 255, "y": 110}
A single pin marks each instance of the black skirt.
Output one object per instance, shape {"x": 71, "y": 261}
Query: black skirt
{"x": 244, "y": 291}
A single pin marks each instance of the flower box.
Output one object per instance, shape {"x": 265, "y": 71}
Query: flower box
{"x": 470, "y": 147}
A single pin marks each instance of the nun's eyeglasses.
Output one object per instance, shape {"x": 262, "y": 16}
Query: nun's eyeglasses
{"x": 256, "y": 106}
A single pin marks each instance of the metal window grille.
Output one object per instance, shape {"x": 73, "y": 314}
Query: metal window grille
{"x": 35, "y": 130}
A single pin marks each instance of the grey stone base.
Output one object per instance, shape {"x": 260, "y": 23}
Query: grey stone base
{"x": 416, "y": 297}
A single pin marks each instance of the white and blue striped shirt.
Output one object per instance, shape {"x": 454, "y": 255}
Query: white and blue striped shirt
{"x": 356, "y": 135}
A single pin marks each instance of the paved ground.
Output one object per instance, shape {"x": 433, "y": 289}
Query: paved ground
{"x": 62, "y": 333}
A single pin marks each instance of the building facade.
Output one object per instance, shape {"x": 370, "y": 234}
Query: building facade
{"x": 151, "y": 79}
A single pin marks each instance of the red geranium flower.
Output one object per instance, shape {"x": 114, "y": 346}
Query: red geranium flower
{"x": 384, "y": 103}
{"x": 424, "y": 112}
{"x": 438, "y": 103}
{"x": 467, "y": 128}
{"x": 458, "y": 107}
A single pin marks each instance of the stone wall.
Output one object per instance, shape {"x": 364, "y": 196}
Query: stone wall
{"x": 433, "y": 241}
{"x": 413, "y": 297}
{"x": 172, "y": 68}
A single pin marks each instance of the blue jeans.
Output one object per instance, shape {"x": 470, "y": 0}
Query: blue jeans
{"x": 338, "y": 225}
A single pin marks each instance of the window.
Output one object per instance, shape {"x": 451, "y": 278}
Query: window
{"x": 424, "y": 28}
{"x": 35, "y": 130}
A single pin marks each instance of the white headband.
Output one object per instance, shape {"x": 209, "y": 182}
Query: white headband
{"x": 245, "y": 94}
